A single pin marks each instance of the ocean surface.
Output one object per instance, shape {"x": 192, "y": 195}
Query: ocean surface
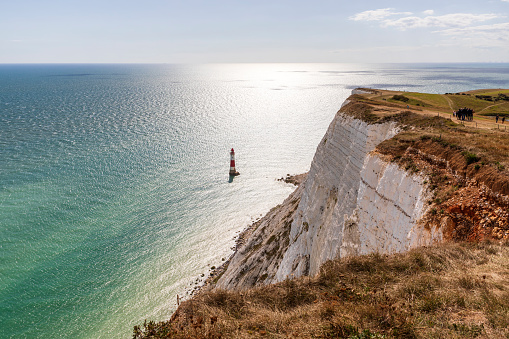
{"x": 114, "y": 187}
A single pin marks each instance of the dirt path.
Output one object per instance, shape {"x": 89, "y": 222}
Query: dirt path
{"x": 487, "y": 123}
{"x": 485, "y": 108}
{"x": 449, "y": 101}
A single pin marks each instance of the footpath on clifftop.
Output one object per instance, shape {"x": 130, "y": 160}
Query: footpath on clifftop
{"x": 399, "y": 230}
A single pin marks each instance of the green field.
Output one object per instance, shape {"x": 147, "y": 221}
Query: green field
{"x": 481, "y": 107}
{"x": 491, "y": 92}
{"x": 449, "y": 102}
{"x": 411, "y": 101}
{"x": 434, "y": 100}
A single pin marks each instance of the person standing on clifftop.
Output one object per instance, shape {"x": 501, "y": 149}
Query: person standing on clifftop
{"x": 496, "y": 119}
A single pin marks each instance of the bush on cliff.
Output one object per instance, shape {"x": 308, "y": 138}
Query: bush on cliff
{"x": 470, "y": 157}
{"x": 400, "y": 98}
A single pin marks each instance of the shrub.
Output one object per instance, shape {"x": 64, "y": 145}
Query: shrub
{"x": 400, "y": 98}
{"x": 470, "y": 157}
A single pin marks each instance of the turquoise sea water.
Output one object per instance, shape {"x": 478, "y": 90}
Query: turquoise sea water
{"x": 114, "y": 192}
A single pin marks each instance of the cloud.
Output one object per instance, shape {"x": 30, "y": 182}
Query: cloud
{"x": 461, "y": 30}
{"x": 487, "y": 35}
{"x": 377, "y": 14}
{"x": 388, "y": 17}
{"x": 443, "y": 21}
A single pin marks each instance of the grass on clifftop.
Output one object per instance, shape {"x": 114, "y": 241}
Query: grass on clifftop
{"x": 484, "y": 102}
{"x": 491, "y": 143}
{"x": 454, "y": 290}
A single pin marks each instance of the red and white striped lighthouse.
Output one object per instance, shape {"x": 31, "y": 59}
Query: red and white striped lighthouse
{"x": 232, "y": 163}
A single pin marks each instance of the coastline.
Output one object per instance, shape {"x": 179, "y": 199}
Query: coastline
{"x": 296, "y": 179}
{"x": 410, "y": 185}
{"x": 217, "y": 272}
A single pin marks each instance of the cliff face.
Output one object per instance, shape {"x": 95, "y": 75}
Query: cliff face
{"x": 261, "y": 247}
{"x": 352, "y": 202}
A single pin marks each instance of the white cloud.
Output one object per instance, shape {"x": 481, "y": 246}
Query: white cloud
{"x": 458, "y": 36}
{"x": 443, "y": 21}
{"x": 377, "y": 14}
{"x": 492, "y": 29}
{"x": 388, "y": 17}
{"x": 464, "y": 30}
{"x": 488, "y": 35}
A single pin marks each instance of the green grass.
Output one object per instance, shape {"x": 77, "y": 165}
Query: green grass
{"x": 435, "y": 100}
{"x": 493, "y": 93}
{"x": 468, "y": 101}
{"x": 501, "y": 108}
{"x": 439, "y": 102}
{"x": 411, "y": 101}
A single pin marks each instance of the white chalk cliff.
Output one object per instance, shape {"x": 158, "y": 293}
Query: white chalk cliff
{"x": 352, "y": 202}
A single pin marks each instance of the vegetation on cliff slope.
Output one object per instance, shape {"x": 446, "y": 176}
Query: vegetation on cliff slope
{"x": 454, "y": 290}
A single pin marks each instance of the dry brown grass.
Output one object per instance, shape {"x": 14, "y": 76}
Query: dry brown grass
{"x": 454, "y": 290}
{"x": 473, "y": 152}
{"x": 491, "y": 144}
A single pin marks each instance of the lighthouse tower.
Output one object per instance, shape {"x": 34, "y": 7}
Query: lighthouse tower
{"x": 232, "y": 163}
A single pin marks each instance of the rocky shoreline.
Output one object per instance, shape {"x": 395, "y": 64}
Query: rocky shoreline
{"x": 216, "y": 272}
{"x": 296, "y": 179}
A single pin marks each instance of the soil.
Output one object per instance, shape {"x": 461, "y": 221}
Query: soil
{"x": 470, "y": 200}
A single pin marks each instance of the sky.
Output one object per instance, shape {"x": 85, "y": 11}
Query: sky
{"x": 198, "y": 31}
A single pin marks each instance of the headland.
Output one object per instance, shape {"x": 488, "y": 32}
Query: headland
{"x": 405, "y": 209}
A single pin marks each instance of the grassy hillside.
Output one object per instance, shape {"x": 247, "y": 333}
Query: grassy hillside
{"x": 454, "y": 290}
{"x": 483, "y": 102}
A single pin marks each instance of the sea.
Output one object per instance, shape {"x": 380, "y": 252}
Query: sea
{"x": 114, "y": 187}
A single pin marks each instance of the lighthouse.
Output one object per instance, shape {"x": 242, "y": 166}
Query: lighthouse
{"x": 232, "y": 163}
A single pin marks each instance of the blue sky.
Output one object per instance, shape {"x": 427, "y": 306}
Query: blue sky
{"x": 194, "y": 31}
